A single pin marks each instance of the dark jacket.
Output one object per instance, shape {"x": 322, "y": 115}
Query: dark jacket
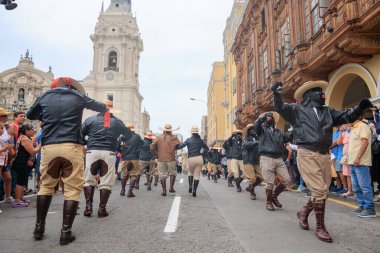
{"x": 101, "y": 138}
{"x": 61, "y": 112}
{"x": 251, "y": 153}
{"x": 235, "y": 148}
{"x": 215, "y": 157}
{"x": 195, "y": 146}
{"x": 145, "y": 154}
{"x": 271, "y": 141}
{"x": 130, "y": 148}
{"x": 310, "y": 132}
{"x": 226, "y": 148}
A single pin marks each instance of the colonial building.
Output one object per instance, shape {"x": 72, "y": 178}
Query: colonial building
{"x": 22, "y": 85}
{"x": 145, "y": 122}
{"x": 298, "y": 41}
{"x": 117, "y": 48}
{"x": 215, "y": 96}
{"x": 230, "y": 83}
{"x": 203, "y": 132}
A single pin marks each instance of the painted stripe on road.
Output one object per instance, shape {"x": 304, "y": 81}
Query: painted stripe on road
{"x": 172, "y": 223}
{"x": 348, "y": 204}
{"x": 181, "y": 181}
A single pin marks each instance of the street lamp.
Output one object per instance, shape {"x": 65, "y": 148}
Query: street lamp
{"x": 14, "y": 106}
{"x": 200, "y": 100}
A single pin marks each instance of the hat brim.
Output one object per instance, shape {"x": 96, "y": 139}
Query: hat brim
{"x": 298, "y": 95}
{"x": 114, "y": 111}
{"x": 194, "y": 132}
{"x": 62, "y": 82}
{"x": 245, "y": 130}
{"x": 5, "y": 114}
{"x": 148, "y": 137}
{"x": 276, "y": 116}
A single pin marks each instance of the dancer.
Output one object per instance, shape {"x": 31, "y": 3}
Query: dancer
{"x": 215, "y": 161}
{"x": 251, "y": 159}
{"x": 102, "y": 131}
{"x": 313, "y": 124}
{"x": 234, "y": 146}
{"x": 194, "y": 145}
{"x": 61, "y": 109}
{"x": 130, "y": 154}
{"x": 271, "y": 146}
{"x": 147, "y": 160}
{"x": 164, "y": 147}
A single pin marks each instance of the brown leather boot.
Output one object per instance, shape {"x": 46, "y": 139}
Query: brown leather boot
{"x": 69, "y": 213}
{"x": 89, "y": 195}
{"x": 277, "y": 191}
{"x": 238, "y": 181}
{"x": 104, "y": 196}
{"x": 303, "y": 214}
{"x": 155, "y": 180}
{"x": 172, "y": 180}
{"x": 320, "y": 231}
{"x": 230, "y": 184}
{"x": 123, "y": 184}
{"x": 43, "y": 204}
{"x": 269, "y": 204}
{"x": 132, "y": 183}
{"x": 252, "y": 192}
{"x": 137, "y": 183}
{"x": 163, "y": 184}
{"x": 149, "y": 182}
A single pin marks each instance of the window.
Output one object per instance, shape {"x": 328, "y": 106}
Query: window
{"x": 277, "y": 60}
{"x": 112, "y": 59}
{"x": 314, "y": 9}
{"x": 285, "y": 41}
{"x": 265, "y": 64}
{"x": 252, "y": 40}
{"x": 307, "y": 19}
{"x": 252, "y": 79}
{"x": 242, "y": 93}
{"x": 234, "y": 86}
{"x": 263, "y": 24}
{"x": 109, "y": 96}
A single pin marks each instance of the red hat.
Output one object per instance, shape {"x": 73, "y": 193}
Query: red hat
{"x": 67, "y": 81}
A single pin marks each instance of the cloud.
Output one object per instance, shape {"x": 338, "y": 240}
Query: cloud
{"x": 182, "y": 38}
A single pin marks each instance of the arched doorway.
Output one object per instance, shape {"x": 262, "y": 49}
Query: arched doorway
{"x": 348, "y": 85}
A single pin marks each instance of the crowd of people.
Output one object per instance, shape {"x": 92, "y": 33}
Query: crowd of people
{"x": 92, "y": 154}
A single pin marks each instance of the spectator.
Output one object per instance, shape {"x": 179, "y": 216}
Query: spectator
{"x": 344, "y": 139}
{"x": 359, "y": 159}
{"x": 337, "y": 150}
{"x": 23, "y": 162}
{"x": 18, "y": 120}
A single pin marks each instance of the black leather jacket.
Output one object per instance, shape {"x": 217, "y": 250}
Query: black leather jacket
{"x": 130, "y": 149}
{"x": 145, "y": 154}
{"x": 235, "y": 148}
{"x": 310, "y": 132}
{"x": 215, "y": 157}
{"x": 194, "y": 146}
{"x": 101, "y": 138}
{"x": 271, "y": 141}
{"x": 251, "y": 153}
{"x": 226, "y": 148}
{"x": 61, "y": 112}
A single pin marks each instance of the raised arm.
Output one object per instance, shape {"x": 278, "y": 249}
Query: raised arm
{"x": 287, "y": 111}
{"x": 94, "y": 105}
{"x": 34, "y": 111}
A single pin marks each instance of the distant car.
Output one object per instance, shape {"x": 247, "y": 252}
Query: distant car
{"x": 8, "y": 4}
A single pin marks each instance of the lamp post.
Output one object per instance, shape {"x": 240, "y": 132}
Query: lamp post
{"x": 200, "y": 100}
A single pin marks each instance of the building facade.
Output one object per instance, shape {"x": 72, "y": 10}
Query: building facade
{"x": 230, "y": 84}
{"x": 115, "y": 74}
{"x": 145, "y": 122}
{"x": 203, "y": 132}
{"x": 22, "y": 85}
{"x": 298, "y": 41}
{"x": 215, "y": 110}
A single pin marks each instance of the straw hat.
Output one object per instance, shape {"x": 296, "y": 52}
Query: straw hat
{"x": 149, "y": 135}
{"x": 245, "y": 130}
{"x": 216, "y": 147}
{"x": 109, "y": 104}
{"x": 276, "y": 116}
{"x": 167, "y": 128}
{"x": 298, "y": 95}
{"x": 4, "y": 113}
{"x": 67, "y": 81}
{"x": 194, "y": 130}
{"x": 131, "y": 127}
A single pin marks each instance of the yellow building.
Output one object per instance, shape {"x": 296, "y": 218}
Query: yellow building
{"x": 215, "y": 96}
{"x": 230, "y": 95}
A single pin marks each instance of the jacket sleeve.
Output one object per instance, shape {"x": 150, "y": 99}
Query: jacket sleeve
{"x": 153, "y": 148}
{"x": 125, "y": 131}
{"x": 377, "y": 122}
{"x": 85, "y": 128}
{"x": 287, "y": 111}
{"x": 258, "y": 126}
{"x": 94, "y": 105}
{"x": 288, "y": 136}
{"x": 248, "y": 144}
{"x": 343, "y": 117}
{"x": 34, "y": 111}
{"x": 181, "y": 146}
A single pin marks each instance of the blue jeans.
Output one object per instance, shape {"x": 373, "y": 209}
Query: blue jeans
{"x": 361, "y": 184}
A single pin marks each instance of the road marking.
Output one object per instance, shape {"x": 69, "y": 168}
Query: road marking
{"x": 181, "y": 181}
{"x": 52, "y": 212}
{"x": 348, "y": 204}
{"x": 29, "y": 196}
{"x": 172, "y": 223}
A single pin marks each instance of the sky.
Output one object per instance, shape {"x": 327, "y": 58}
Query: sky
{"x": 181, "y": 41}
